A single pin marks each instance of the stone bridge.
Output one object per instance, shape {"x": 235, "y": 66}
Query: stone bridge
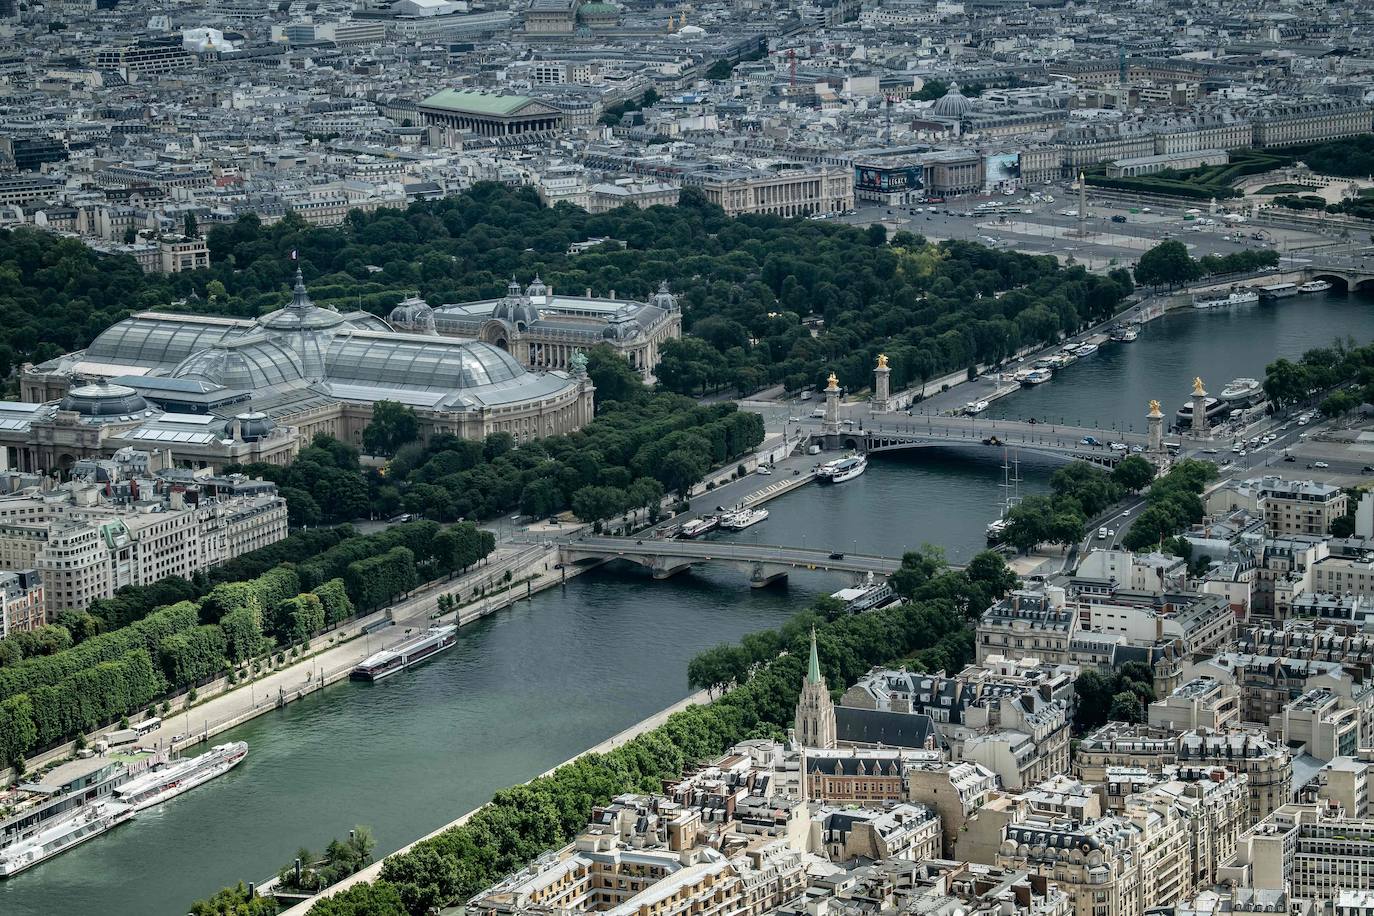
{"x": 1052, "y": 440}
{"x": 1350, "y": 276}
{"x": 764, "y": 563}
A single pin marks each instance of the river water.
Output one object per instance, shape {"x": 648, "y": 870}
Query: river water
{"x": 537, "y": 683}
{"x": 1115, "y": 384}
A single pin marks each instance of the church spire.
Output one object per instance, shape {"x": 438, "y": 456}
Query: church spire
{"x": 813, "y": 667}
{"x": 815, "y": 720}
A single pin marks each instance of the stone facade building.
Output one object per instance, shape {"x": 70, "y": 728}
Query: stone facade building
{"x": 216, "y": 391}
{"x": 545, "y": 332}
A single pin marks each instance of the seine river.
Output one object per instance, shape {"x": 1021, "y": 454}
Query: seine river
{"x": 535, "y": 684}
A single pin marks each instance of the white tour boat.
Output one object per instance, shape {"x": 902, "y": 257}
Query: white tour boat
{"x": 842, "y": 469}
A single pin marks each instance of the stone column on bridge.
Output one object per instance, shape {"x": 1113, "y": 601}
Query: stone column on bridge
{"x": 1155, "y": 421}
{"x": 830, "y": 425}
{"x": 1201, "y": 428}
{"x": 882, "y": 386}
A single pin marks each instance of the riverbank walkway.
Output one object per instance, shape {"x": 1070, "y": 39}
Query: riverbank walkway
{"x": 231, "y": 705}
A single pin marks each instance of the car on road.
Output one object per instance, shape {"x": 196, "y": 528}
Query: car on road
{"x": 1137, "y": 449}
{"x": 764, "y": 470}
{"x": 836, "y": 555}
{"x": 1209, "y": 451}
{"x": 1118, "y": 218}
{"x": 1119, "y": 447}
{"x": 1367, "y": 469}
{"x": 1089, "y": 440}
{"x": 1289, "y": 458}
{"x": 1111, "y": 532}
{"x": 1101, "y": 534}
{"x": 1320, "y": 464}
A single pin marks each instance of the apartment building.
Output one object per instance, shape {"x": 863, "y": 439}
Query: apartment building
{"x": 1345, "y": 782}
{"x": 1098, "y": 864}
{"x": 1157, "y": 849}
{"x": 900, "y": 831}
{"x": 144, "y": 58}
{"x": 1029, "y": 623}
{"x": 178, "y": 253}
{"x": 1213, "y": 803}
{"x": 85, "y": 546}
{"x": 21, "y": 601}
{"x": 1011, "y": 716}
{"x": 1300, "y": 506}
{"x": 956, "y": 792}
{"x": 1321, "y": 723}
{"x": 1269, "y": 685}
{"x": 1309, "y": 121}
{"x": 1266, "y": 765}
{"x": 1198, "y": 703}
{"x": 938, "y": 887}
{"x": 1306, "y": 851}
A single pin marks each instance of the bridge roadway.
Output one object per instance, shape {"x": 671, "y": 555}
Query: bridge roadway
{"x": 765, "y": 563}
{"x": 882, "y": 435}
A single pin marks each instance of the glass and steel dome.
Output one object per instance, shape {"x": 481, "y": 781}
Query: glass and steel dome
{"x": 104, "y": 400}
{"x": 166, "y": 340}
{"x": 389, "y": 359}
{"x": 246, "y": 365}
{"x": 301, "y": 313}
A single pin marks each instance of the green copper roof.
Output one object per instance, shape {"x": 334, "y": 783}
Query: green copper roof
{"x": 477, "y": 102}
{"x": 813, "y": 668}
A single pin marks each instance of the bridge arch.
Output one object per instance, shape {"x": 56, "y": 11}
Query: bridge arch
{"x": 1337, "y": 281}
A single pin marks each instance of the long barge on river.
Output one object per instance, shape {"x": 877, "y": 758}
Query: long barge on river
{"x": 387, "y": 662}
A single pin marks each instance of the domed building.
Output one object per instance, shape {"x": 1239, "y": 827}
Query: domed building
{"x": 216, "y": 391}
{"x": 544, "y": 331}
{"x": 598, "y": 15}
{"x": 953, "y": 104}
